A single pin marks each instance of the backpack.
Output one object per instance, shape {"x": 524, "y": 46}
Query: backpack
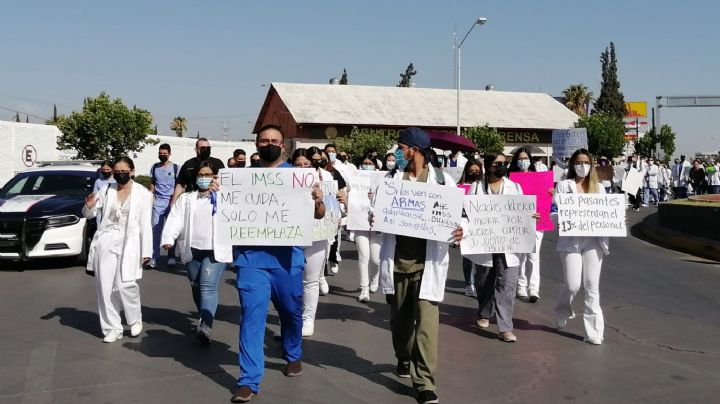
{"x": 156, "y": 165}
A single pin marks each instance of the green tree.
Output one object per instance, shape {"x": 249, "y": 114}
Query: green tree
{"x": 179, "y": 126}
{"x": 611, "y": 100}
{"x": 577, "y": 98}
{"x": 104, "y": 128}
{"x": 360, "y": 142}
{"x": 486, "y": 139}
{"x": 344, "y": 79}
{"x": 606, "y": 134}
{"x": 647, "y": 145}
{"x": 406, "y": 78}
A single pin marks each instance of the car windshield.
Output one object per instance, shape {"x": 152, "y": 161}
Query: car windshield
{"x": 48, "y": 183}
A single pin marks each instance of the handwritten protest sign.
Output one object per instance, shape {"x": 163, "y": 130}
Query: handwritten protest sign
{"x": 498, "y": 224}
{"x": 566, "y": 141}
{"x": 266, "y": 206}
{"x": 359, "y": 203}
{"x": 633, "y": 181}
{"x": 591, "y": 215}
{"x": 538, "y": 184}
{"x": 327, "y": 227}
{"x": 417, "y": 209}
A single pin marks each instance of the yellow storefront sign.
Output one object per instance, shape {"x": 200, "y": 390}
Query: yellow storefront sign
{"x": 636, "y": 109}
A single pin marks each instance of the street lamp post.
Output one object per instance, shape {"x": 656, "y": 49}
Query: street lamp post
{"x": 458, "y": 45}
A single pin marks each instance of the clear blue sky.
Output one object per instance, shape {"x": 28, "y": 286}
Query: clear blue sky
{"x": 208, "y": 60}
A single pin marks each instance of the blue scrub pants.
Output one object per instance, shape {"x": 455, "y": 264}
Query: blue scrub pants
{"x": 160, "y": 212}
{"x": 256, "y": 287}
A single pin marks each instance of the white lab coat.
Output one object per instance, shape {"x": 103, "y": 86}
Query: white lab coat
{"x": 572, "y": 244}
{"x": 179, "y": 226}
{"x": 651, "y": 176}
{"x": 508, "y": 188}
{"x": 437, "y": 258}
{"x": 680, "y": 174}
{"x": 138, "y": 241}
{"x": 714, "y": 178}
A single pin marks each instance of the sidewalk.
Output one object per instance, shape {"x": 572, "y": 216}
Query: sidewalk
{"x": 651, "y": 230}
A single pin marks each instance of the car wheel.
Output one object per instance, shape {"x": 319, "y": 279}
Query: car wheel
{"x": 81, "y": 259}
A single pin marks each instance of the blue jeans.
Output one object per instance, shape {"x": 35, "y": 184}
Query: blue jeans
{"x": 160, "y": 212}
{"x": 205, "y": 274}
{"x": 256, "y": 287}
{"x": 650, "y": 192}
{"x": 468, "y": 271}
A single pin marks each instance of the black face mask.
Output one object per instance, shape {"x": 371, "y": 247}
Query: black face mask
{"x": 472, "y": 177}
{"x": 254, "y": 163}
{"x": 204, "y": 154}
{"x": 500, "y": 172}
{"x": 162, "y": 158}
{"x": 106, "y": 174}
{"x": 270, "y": 153}
{"x": 122, "y": 178}
{"x": 240, "y": 163}
{"x": 319, "y": 163}
{"x": 342, "y": 158}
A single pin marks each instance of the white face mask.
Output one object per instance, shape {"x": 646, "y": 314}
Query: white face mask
{"x": 582, "y": 170}
{"x": 523, "y": 164}
{"x": 390, "y": 164}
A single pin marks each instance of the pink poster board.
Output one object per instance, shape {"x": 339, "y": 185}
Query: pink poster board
{"x": 538, "y": 184}
{"x": 465, "y": 187}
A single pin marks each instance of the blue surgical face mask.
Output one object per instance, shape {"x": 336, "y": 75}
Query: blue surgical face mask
{"x": 400, "y": 161}
{"x": 523, "y": 164}
{"x": 368, "y": 167}
{"x": 203, "y": 183}
{"x": 332, "y": 157}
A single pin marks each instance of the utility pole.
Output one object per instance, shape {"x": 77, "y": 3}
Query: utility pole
{"x": 225, "y": 130}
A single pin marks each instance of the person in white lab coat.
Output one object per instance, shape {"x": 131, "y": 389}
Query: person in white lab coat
{"x": 581, "y": 257}
{"x": 193, "y": 220}
{"x": 651, "y": 183}
{"x": 120, "y": 247}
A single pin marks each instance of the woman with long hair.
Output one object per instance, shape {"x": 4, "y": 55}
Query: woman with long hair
{"x": 389, "y": 162}
{"x": 316, "y": 254}
{"x": 368, "y": 246}
{"x": 193, "y": 219}
{"x": 472, "y": 176}
{"x": 581, "y": 257}
{"x": 529, "y": 270}
{"x": 122, "y": 243}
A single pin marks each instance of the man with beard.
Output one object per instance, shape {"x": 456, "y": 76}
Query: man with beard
{"x": 186, "y": 177}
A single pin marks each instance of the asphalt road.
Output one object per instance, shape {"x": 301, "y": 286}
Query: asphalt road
{"x": 662, "y": 326}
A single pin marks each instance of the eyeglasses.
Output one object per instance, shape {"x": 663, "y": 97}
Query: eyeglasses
{"x": 265, "y": 142}
{"x": 206, "y": 175}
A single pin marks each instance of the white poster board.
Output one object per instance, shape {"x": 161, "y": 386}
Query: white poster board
{"x": 359, "y": 203}
{"x": 454, "y": 172}
{"x": 418, "y": 209}
{"x": 633, "y": 181}
{"x": 499, "y": 224}
{"x": 566, "y": 141}
{"x": 327, "y": 227}
{"x": 591, "y": 215}
{"x": 266, "y": 206}
{"x": 558, "y": 173}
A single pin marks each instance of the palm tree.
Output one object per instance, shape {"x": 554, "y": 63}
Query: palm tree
{"x": 577, "y": 98}
{"x": 178, "y": 125}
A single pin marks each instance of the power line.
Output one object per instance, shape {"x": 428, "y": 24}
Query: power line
{"x": 21, "y": 112}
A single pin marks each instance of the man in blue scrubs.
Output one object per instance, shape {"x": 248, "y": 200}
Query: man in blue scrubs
{"x": 163, "y": 175}
{"x": 270, "y": 273}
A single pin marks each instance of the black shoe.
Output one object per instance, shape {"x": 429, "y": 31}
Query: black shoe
{"x": 403, "y": 369}
{"x": 428, "y": 397}
{"x": 534, "y": 299}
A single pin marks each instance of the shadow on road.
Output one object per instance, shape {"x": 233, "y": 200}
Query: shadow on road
{"x": 82, "y": 320}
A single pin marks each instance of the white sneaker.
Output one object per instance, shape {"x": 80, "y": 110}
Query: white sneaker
{"x": 334, "y": 268}
{"x": 351, "y": 237}
{"x": 364, "y": 296}
{"x": 308, "y": 329}
{"x": 374, "y": 284}
{"x": 136, "y": 329}
{"x": 172, "y": 262}
{"x": 112, "y": 336}
{"x": 593, "y": 341}
{"x": 470, "y": 290}
{"x": 324, "y": 287}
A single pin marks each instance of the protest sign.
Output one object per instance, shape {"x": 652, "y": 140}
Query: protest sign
{"x": 266, "y": 206}
{"x": 591, "y": 215}
{"x": 538, "y": 184}
{"x": 619, "y": 173}
{"x": 566, "y": 141}
{"x": 633, "y": 181}
{"x": 327, "y": 227}
{"x": 465, "y": 187}
{"x": 499, "y": 224}
{"x": 558, "y": 173}
{"x": 359, "y": 203}
{"x": 417, "y": 209}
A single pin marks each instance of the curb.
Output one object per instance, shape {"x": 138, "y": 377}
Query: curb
{"x": 651, "y": 230}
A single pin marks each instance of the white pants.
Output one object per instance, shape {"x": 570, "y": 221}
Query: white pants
{"x": 368, "y": 247}
{"x": 583, "y": 269}
{"x": 114, "y": 294}
{"x": 530, "y": 263}
{"x": 315, "y": 256}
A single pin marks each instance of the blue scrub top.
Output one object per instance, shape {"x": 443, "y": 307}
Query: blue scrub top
{"x": 269, "y": 256}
